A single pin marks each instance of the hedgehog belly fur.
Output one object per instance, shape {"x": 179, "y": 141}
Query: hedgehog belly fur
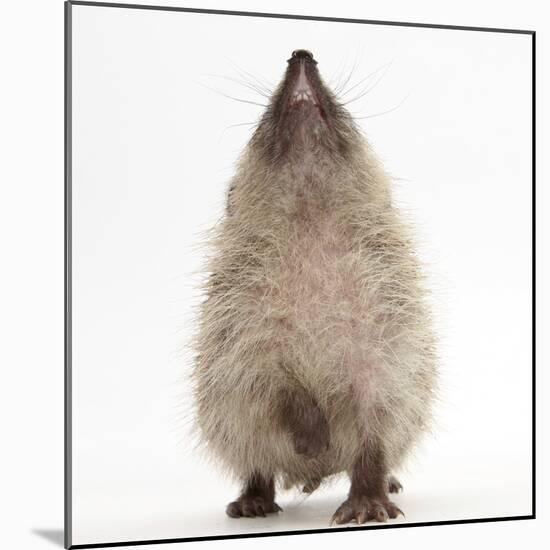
{"x": 310, "y": 305}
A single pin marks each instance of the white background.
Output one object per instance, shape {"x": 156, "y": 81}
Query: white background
{"x": 32, "y": 289}
{"x": 153, "y": 151}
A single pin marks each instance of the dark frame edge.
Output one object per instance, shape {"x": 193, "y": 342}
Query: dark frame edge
{"x": 296, "y": 16}
{"x": 534, "y": 273}
{"x": 67, "y": 274}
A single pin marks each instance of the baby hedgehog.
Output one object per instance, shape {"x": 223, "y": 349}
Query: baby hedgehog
{"x": 314, "y": 351}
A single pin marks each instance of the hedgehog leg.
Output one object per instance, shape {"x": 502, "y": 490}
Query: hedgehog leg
{"x": 368, "y": 498}
{"x": 306, "y": 423}
{"x": 257, "y": 499}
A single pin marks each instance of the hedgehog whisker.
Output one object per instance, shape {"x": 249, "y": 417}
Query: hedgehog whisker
{"x": 369, "y": 88}
{"x": 384, "y": 67}
{"x": 234, "y": 126}
{"x": 239, "y": 99}
{"x": 265, "y": 85}
{"x": 383, "y": 112}
{"x": 341, "y": 87}
{"x": 244, "y": 83}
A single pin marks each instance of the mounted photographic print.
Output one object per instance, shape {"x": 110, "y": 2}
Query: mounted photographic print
{"x": 299, "y": 284}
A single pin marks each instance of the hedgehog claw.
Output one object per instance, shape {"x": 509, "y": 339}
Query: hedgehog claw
{"x": 394, "y": 486}
{"x": 363, "y": 509}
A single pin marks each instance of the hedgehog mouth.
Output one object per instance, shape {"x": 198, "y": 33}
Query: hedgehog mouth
{"x": 302, "y": 91}
{"x": 302, "y": 109}
{"x": 302, "y": 99}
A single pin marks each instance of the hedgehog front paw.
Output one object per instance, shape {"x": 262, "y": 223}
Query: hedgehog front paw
{"x": 311, "y": 436}
{"x": 362, "y": 509}
{"x": 312, "y": 444}
{"x": 252, "y": 506}
{"x": 305, "y": 422}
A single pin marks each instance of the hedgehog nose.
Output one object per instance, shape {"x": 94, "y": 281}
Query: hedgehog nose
{"x": 301, "y": 54}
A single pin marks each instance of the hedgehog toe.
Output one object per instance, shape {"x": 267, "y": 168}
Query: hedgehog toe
{"x": 251, "y": 507}
{"x": 363, "y": 509}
